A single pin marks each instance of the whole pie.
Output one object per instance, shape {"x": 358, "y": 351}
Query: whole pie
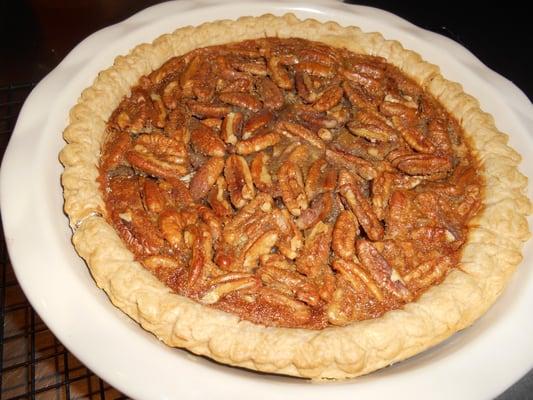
{"x": 291, "y": 196}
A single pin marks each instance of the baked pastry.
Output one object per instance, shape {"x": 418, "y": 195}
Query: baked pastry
{"x": 318, "y": 202}
{"x": 288, "y": 182}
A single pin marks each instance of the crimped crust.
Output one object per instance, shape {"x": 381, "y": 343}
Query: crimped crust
{"x": 490, "y": 255}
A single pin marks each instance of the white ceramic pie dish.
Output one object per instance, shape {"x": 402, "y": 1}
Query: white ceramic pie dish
{"x": 477, "y": 363}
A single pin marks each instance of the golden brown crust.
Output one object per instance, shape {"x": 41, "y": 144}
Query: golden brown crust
{"x": 491, "y": 254}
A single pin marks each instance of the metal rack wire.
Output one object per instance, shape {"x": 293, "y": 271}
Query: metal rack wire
{"x": 33, "y": 363}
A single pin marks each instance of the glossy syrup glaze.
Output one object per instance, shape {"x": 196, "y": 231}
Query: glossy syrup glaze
{"x": 290, "y": 183}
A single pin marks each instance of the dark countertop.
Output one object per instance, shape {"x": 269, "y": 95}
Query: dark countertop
{"x": 35, "y": 35}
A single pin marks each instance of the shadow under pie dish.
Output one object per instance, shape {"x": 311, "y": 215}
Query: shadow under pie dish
{"x": 318, "y": 202}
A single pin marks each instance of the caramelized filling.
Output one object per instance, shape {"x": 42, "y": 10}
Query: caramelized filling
{"x": 290, "y": 183}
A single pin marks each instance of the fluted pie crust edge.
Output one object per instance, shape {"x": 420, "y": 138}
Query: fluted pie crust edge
{"x": 489, "y": 257}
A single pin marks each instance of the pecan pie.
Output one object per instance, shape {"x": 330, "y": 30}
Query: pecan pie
{"x": 317, "y": 202}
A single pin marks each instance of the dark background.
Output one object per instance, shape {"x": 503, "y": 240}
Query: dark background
{"x": 35, "y": 35}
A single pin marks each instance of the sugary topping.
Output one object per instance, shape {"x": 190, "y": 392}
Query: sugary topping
{"x": 290, "y": 183}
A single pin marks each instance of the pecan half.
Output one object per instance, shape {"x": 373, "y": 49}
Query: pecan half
{"x": 300, "y": 154}
{"x": 384, "y": 185}
{"x": 187, "y": 77}
{"x": 205, "y": 177}
{"x": 345, "y": 231}
{"x": 261, "y": 205}
{"x": 301, "y": 132}
{"x": 304, "y": 87}
{"x": 372, "y": 85}
{"x": 260, "y": 174}
{"x": 313, "y": 260}
{"x": 242, "y": 100}
{"x": 362, "y": 209}
{"x": 439, "y": 136}
{"x": 229, "y": 283}
{"x": 226, "y": 69}
{"x": 244, "y": 85}
{"x": 328, "y": 99}
{"x": 261, "y": 246}
{"x": 428, "y": 273}
{"x": 113, "y": 154}
{"x": 371, "y": 133}
{"x": 230, "y": 129}
{"x": 290, "y": 237}
{"x": 353, "y": 271}
{"x": 207, "y": 142}
{"x": 415, "y": 139}
{"x": 381, "y": 271}
{"x": 241, "y": 233}
{"x": 278, "y": 261}
{"x": 212, "y": 221}
{"x": 172, "y": 223}
{"x": 290, "y": 283}
{"x": 340, "y": 310}
{"x": 256, "y": 122}
{"x": 202, "y": 253}
{"x": 306, "y": 114}
{"x": 315, "y": 69}
{"x": 159, "y": 156}
{"x": 154, "y": 197}
{"x": 239, "y": 180}
{"x": 357, "y": 96}
{"x": 471, "y": 203}
{"x": 381, "y": 192}
{"x": 370, "y": 117}
{"x": 403, "y": 114}
{"x": 255, "y": 67}
{"x": 279, "y": 73}
{"x": 354, "y": 164}
{"x": 291, "y": 183}
{"x": 217, "y": 198}
{"x": 355, "y": 145}
{"x": 321, "y": 178}
{"x": 366, "y": 66}
{"x": 322, "y": 55}
{"x": 159, "y": 114}
{"x": 270, "y": 94}
{"x": 195, "y": 80}
{"x": 257, "y": 143}
{"x": 178, "y": 191}
{"x": 171, "y": 94}
{"x": 212, "y": 123}
{"x": 320, "y": 209}
{"x": 315, "y": 253}
{"x": 422, "y": 164}
{"x": 208, "y": 110}
{"x": 136, "y": 113}
{"x": 138, "y": 231}
{"x": 297, "y": 310}
{"x": 177, "y": 125}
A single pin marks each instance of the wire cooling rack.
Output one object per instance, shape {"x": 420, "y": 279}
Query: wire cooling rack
{"x": 33, "y": 363}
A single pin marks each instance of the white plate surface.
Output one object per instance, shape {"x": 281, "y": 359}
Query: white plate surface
{"x": 480, "y": 362}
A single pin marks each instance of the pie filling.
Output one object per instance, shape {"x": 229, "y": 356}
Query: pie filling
{"x": 288, "y": 182}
